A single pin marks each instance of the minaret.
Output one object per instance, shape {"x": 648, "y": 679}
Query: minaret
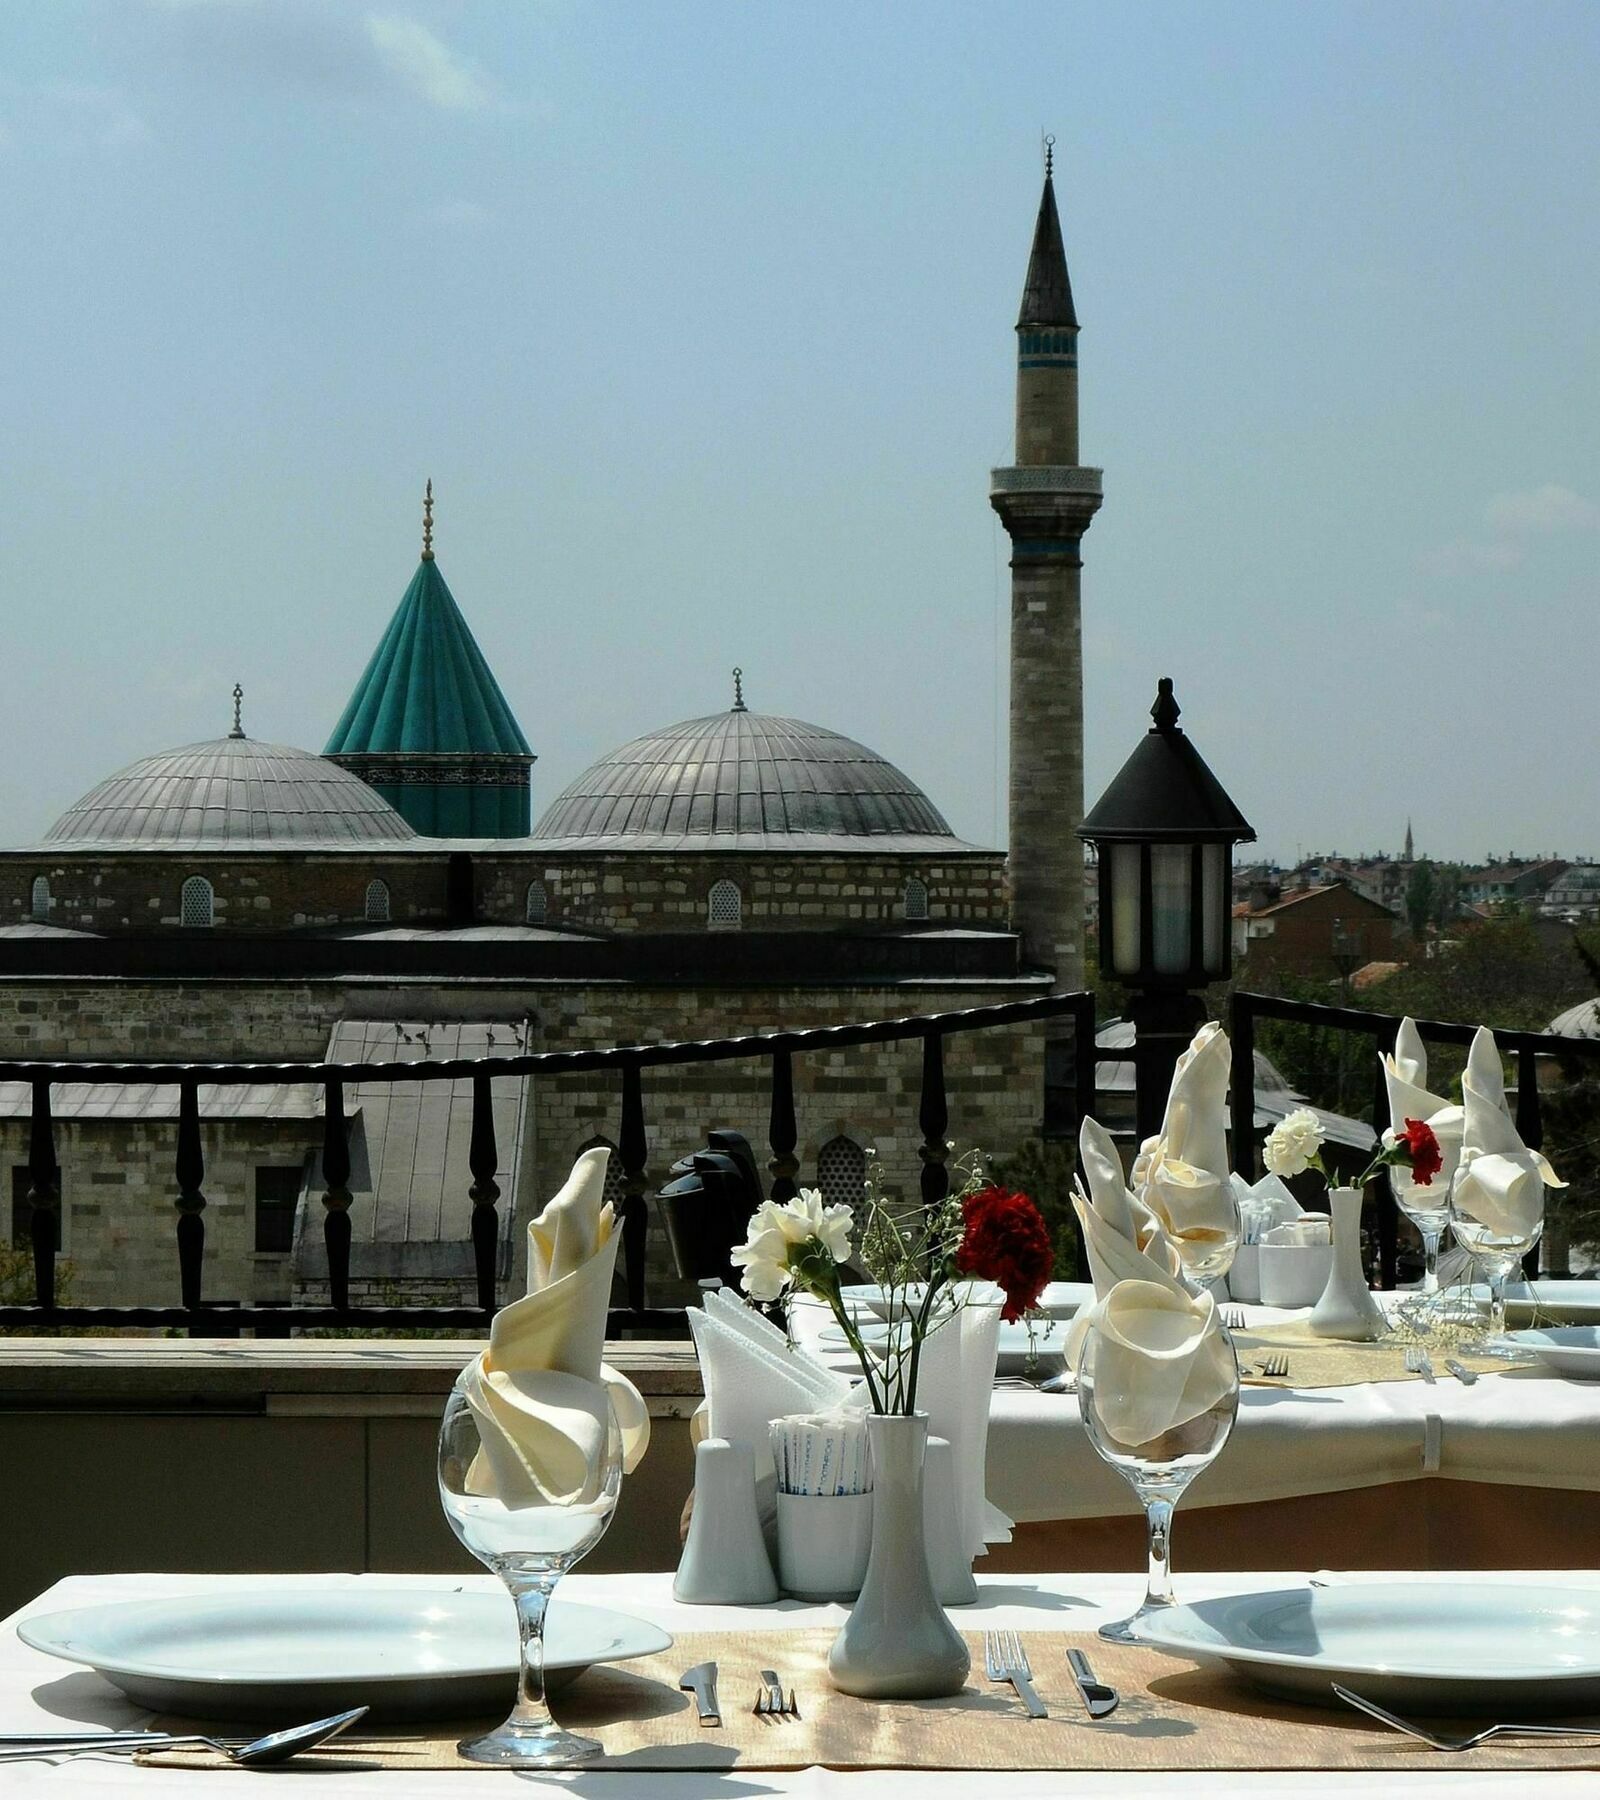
{"x": 1046, "y": 503}
{"x": 1410, "y": 851}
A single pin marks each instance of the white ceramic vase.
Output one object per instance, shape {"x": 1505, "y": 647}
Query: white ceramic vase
{"x": 1347, "y": 1309}
{"x": 897, "y": 1643}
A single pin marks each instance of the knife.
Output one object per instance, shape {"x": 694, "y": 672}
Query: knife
{"x": 1461, "y": 1372}
{"x": 702, "y": 1681}
{"x": 1098, "y": 1698}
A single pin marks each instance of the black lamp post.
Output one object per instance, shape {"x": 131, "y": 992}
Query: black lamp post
{"x": 1164, "y": 832}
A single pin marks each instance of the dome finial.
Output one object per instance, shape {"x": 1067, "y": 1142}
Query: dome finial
{"x": 427, "y": 522}
{"x": 738, "y": 692}
{"x": 238, "y": 705}
{"x": 1049, "y": 153}
{"x": 1166, "y": 709}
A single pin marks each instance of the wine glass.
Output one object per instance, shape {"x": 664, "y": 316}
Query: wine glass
{"x": 1497, "y": 1253}
{"x": 1427, "y": 1206}
{"x": 530, "y": 1547}
{"x": 1207, "y": 1256}
{"x": 1157, "y": 1469}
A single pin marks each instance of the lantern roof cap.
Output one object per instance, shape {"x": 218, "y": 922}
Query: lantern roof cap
{"x": 1164, "y": 792}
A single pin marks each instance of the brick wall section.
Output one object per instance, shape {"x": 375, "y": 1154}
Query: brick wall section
{"x": 625, "y": 892}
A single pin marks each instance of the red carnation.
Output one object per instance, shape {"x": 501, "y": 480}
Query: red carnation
{"x": 1423, "y": 1149}
{"x": 1007, "y": 1242}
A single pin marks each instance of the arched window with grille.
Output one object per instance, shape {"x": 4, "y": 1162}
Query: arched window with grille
{"x": 377, "y": 907}
{"x": 916, "y": 899}
{"x": 197, "y": 902}
{"x": 841, "y": 1171}
{"x": 39, "y": 901}
{"x": 538, "y": 904}
{"x": 725, "y": 905}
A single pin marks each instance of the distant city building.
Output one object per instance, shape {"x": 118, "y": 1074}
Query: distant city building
{"x": 1322, "y": 931}
{"x": 1510, "y": 882}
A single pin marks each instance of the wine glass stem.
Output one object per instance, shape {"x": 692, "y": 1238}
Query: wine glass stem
{"x": 532, "y": 1595}
{"x": 1497, "y": 1298}
{"x": 1430, "y": 1258}
{"x": 1158, "y": 1581}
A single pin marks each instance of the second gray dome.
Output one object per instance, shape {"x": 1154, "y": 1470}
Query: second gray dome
{"x": 745, "y": 780}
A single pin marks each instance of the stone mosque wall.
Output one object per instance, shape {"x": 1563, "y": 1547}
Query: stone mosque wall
{"x": 634, "y": 891}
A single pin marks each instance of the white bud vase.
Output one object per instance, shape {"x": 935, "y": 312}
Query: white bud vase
{"x": 897, "y": 1643}
{"x": 1347, "y": 1309}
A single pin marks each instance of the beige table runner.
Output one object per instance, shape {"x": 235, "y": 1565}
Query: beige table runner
{"x": 1173, "y": 1716}
{"x": 1318, "y": 1362}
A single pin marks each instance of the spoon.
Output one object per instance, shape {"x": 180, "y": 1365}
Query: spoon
{"x": 260, "y": 1753}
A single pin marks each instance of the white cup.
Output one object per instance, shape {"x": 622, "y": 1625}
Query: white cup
{"x": 1294, "y": 1274}
{"x": 823, "y": 1540}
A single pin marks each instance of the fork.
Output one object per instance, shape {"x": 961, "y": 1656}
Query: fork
{"x": 1441, "y": 1742}
{"x": 1232, "y": 1317}
{"x": 1418, "y": 1362}
{"x": 1004, "y": 1659}
{"x": 770, "y": 1703}
{"x": 1273, "y": 1363}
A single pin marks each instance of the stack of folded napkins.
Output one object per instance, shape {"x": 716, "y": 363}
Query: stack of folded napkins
{"x": 1182, "y": 1173}
{"x": 1501, "y": 1182}
{"x": 955, "y": 1385}
{"x": 540, "y": 1394}
{"x": 752, "y": 1374}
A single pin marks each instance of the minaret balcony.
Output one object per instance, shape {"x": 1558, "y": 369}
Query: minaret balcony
{"x": 1046, "y": 478}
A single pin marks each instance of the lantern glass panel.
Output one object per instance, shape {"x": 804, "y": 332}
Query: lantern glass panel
{"x": 1124, "y": 907}
{"x": 1215, "y": 891}
{"x": 1171, "y": 869}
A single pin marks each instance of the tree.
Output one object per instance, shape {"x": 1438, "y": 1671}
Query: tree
{"x": 1420, "y": 898}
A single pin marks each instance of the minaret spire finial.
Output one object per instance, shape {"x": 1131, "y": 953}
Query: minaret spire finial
{"x": 427, "y": 522}
{"x": 238, "y": 704}
{"x": 738, "y": 691}
{"x": 1049, "y": 154}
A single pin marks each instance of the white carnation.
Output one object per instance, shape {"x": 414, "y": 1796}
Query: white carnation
{"x": 777, "y": 1230}
{"x": 1292, "y": 1143}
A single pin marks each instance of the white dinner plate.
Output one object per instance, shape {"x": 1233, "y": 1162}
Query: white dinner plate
{"x": 1013, "y": 1349}
{"x": 1061, "y": 1299}
{"x": 1572, "y": 1302}
{"x": 1567, "y": 1349}
{"x": 291, "y": 1654}
{"x": 1416, "y": 1646}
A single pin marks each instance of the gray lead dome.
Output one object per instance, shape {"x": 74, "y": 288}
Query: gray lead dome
{"x": 234, "y": 792}
{"x": 747, "y": 780}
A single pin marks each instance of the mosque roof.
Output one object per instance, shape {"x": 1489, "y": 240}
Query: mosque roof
{"x": 1047, "y": 292}
{"x": 232, "y": 792}
{"x": 740, "y": 780}
{"x": 427, "y": 689}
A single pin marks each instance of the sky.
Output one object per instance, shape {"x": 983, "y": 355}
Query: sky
{"x": 700, "y": 318}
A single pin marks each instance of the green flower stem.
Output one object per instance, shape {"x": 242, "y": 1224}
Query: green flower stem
{"x": 829, "y": 1291}
{"x": 918, "y": 1332}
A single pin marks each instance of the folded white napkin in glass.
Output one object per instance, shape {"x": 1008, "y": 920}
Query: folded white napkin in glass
{"x": 752, "y": 1374}
{"x": 1161, "y": 1357}
{"x": 1405, "y": 1074}
{"x": 1123, "y": 1237}
{"x": 539, "y": 1392}
{"x": 1182, "y": 1173}
{"x": 1501, "y": 1181}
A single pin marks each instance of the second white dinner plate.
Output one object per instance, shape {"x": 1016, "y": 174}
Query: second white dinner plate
{"x": 1415, "y": 1646}
{"x": 291, "y": 1653}
{"x": 1571, "y": 1350}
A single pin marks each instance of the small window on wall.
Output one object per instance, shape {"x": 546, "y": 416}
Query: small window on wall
{"x": 538, "y": 906}
{"x": 39, "y": 901}
{"x": 841, "y": 1171}
{"x": 725, "y": 906}
{"x": 277, "y": 1196}
{"x": 22, "y": 1212}
{"x": 197, "y": 902}
{"x": 377, "y": 903}
{"x": 916, "y": 899}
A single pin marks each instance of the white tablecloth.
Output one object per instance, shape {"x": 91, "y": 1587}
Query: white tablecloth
{"x": 1520, "y": 1427}
{"x": 40, "y": 1693}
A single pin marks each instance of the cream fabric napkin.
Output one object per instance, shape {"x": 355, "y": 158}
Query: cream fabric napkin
{"x": 752, "y": 1374}
{"x": 1124, "y": 1237}
{"x": 955, "y": 1385}
{"x": 1161, "y": 1357}
{"x": 1182, "y": 1174}
{"x": 539, "y": 1393}
{"x": 1405, "y": 1074}
{"x": 1501, "y": 1182}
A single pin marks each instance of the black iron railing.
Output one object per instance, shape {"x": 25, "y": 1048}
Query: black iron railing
{"x": 627, "y": 1062}
{"x": 1524, "y": 1047}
